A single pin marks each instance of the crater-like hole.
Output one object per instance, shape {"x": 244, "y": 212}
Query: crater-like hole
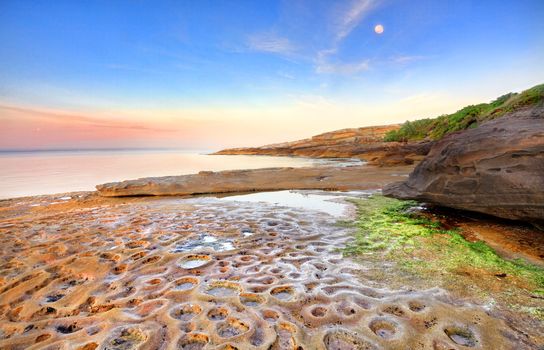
{"x": 193, "y": 341}
{"x": 195, "y": 261}
{"x": 342, "y": 340}
{"x": 461, "y": 336}
{"x": 223, "y": 289}
{"x": 270, "y": 315}
{"x": 416, "y": 306}
{"x": 231, "y": 327}
{"x": 186, "y": 312}
{"x": 251, "y": 299}
{"x": 383, "y": 328}
{"x": 283, "y": 293}
{"x": 319, "y": 311}
{"x": 186, "y": 283}
{"x": 218, "y": 314}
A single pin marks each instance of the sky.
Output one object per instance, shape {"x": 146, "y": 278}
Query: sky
{"x": 225, "y": 73}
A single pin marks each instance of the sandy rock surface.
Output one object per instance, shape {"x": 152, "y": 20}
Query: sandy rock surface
{"x": 200, "y": 273}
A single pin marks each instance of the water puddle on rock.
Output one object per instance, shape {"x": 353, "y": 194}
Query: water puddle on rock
{"x": 327, "y": 202}
{"x": 204, "y": 242}
{"x": 155, "y": 272}
{"x": 194, "y": 261}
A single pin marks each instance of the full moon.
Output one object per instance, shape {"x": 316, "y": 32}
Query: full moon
{"x": 378, "y": 29}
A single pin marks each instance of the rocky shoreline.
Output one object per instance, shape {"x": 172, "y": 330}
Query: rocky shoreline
{"x": 363, "y": 143}
{"x": 159, "y": 263}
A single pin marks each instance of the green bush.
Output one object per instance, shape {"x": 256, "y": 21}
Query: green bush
{"x": 465, "y": 118}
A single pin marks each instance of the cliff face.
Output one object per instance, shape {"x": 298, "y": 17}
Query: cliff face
{"x": 496, "y": 168}
{"x": 364, "y": 143}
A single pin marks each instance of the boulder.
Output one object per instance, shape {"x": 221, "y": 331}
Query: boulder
{"x": 496, "y": 168}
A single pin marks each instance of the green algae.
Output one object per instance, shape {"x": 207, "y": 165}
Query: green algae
{"x": 420, "y": 244}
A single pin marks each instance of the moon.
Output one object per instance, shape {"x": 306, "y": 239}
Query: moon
{"x": 378, "y": 29}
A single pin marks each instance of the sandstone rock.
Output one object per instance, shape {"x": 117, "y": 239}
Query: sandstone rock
{"x": 496, "y": 168}
{"x": 325, "y": 178}
{"x": 363, "y": 143}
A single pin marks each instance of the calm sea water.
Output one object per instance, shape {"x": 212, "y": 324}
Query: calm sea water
{"x": 48, "y": 172}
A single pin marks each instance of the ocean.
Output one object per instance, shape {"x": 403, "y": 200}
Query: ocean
{"x": 25, "y": 173}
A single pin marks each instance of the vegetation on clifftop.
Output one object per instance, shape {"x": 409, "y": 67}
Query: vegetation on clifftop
{"x": 467, "y": 117}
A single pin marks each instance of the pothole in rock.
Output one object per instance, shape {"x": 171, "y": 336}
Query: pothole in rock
{"x": 186, "y": 312}
{"x": 125, "y": 339}
{"x": 251, "y": 299}
{"x": 53, "y": 298}
{"x": 223, "y": 289}
{"x": 319, "y": 311}
{"x": 68, "y": 329}
{"x": 416, "y": 306}
{"x": 218, "y": 314}
{"x": 204, "y": 241}
{"x": 342, "y": 340}
{"x": 195, "y": 261}
{"x": 461, "y": 336}
{"x": 284, "y": 293}
{"x": 270, "y": 315}
{"x": 231, "y": 327}
{"x": 246, "y": 232}
{"x": 185, "y": 283}
{"x": 193, "y": 341}
{"x": 383, "y": 328}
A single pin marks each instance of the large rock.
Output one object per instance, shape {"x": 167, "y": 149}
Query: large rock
{"x": 496, "y": 168}
{"x": 269, "y": 179}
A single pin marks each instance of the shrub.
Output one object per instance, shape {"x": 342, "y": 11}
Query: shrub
{"x": 465, "y": 118}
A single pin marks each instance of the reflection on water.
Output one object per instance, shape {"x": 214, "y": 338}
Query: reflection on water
{"x": 203, "y": 242}
{"x": 327, "y": 202}
{"x": 34, "y": 173}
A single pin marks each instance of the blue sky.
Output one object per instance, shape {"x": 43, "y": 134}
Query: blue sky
{"x": 224, "y": 73}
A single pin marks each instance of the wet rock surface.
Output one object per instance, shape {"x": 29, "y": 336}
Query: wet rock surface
{"x": 284, "y": 286}
{"x": 496, "y": 169}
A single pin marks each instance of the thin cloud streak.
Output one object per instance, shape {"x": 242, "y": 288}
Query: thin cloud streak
{"x": 346, "y": 22}
{"x": 343, "y": 68}
{"x": 271, "y": 43}
{"x": 408, "y": 59}
{"x": 63, "y": 117}
{"x": 351, "y": 18}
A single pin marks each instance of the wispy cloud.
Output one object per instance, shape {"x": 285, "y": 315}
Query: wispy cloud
{"x": 407, "y": 59}
{"x": 323, "y": 65}
{"x": 343, "y": 68}
{"x": 341, "y": 22}
{"x": 346, "y": 20}
{"x": 67, "y": 117}
{"x": 269, "y": 42}
{"x": 350, "y": 18}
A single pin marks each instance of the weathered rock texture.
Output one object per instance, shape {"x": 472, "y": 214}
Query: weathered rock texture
{"x": 497, "y": 169}
{"x": 270, "y": 179}
{"x": 364, "y": 143}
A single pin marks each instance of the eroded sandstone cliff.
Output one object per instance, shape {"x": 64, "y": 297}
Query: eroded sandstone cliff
{"x": 363, "y": 143}
{"x": 496, "y": 168}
